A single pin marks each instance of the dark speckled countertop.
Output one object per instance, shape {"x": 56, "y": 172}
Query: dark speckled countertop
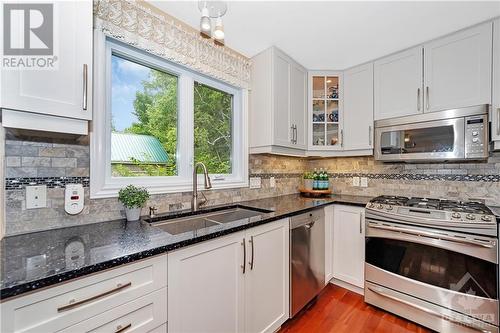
{"x": 37, "y": 260}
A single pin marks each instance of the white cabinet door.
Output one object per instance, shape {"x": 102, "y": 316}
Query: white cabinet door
{"x": 66, "y": 91}
{"x": 267, "y": 277}
{"x": 398, "y": 84}
{"x": 282, "y": 127}
{"x": 349, "y": 244}
{"x": 457, "y": 69}
{"x": 328, "y": 243}
{"x": 206, "y": 287}
{"x": 298, "y": 107}
{"x": 358, "y": 108}
{"x": 495, "y": 119}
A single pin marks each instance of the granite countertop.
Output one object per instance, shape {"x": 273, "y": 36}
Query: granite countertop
{"x": 41, "y": 259}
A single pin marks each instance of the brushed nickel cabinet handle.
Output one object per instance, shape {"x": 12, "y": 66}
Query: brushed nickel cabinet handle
{"x": 121, "y": 328}
{"x": 244, "y": 255}
{"x": 251, "y": 260}
{"x": 427, "y": 103}
{"x": 295, "y": 140}
{"x": 293, "y": 133}
{"x": 370, "y": 135}
{"x": 73, "y": 304}
{"x": 498, "y": 121}
{"x": 85, "y": 85}
{"x": 360, "y": 223}
{"x": 342, "y": 138}
{"x": 418, "y": 99}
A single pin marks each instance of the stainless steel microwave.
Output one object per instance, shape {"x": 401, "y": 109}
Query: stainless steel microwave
{"x": 458, "y": 134}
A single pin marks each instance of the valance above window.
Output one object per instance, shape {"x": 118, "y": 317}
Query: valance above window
{"x": 138, "y": 24}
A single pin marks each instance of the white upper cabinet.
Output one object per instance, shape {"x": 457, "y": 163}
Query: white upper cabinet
{"x": 495, "y": 119}
{"x": 277, "y": 104}
{"x": 358, "y": 108}
{"x": 66, "y": 91}
{"x": 398, "y": 84}
{"x": 457, "y": 69}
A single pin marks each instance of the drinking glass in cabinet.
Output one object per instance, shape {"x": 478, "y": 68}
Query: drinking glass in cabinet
{"x": 318, "y": 87}
{"x": 332, "y": 134}
{"x": 332, "y": 111}
{"x": 318, "y": 111}
{"x": 332, "y": 87}
{"x": 318, "y": 134}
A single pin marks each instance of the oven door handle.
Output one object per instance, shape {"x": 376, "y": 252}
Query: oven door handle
{"x": 429, "y": 311}
{"x": 486, "y": 244}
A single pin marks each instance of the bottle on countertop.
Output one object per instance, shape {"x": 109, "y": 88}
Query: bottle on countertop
{"x": 327, "y": 180}
{"x": 315, "y": 179}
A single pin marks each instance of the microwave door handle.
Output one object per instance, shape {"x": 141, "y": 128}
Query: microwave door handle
{"x": 426, "y": 310}
{"x": 427, "y": 234}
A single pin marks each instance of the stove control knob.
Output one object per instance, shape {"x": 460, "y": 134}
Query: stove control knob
{"x": 486, "y": 218}
{"x": 456, "y": 215}
{"x": 470, "y": 217}
{"x": 380, "y": 206}
{"x": 371, "y": 205}
{"x": 388, "y": 207}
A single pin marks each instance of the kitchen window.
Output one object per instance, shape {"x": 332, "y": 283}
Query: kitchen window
{"x": 157, "y": 118}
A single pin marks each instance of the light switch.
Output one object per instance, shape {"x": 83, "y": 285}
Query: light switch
{"x": 364, "y": 182}
{"x": 272, "y": 182}
{"x": 36, "y": 196}
{"x": 355, "y": 181}
{"x": 255, "y": 182}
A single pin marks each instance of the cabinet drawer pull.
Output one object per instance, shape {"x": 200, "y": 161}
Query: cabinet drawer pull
{"x": 369, "y": 136}
{"x": 251, "y": 260}
{"x": 418, "y": 99}
{"x": 341, "y": 138}
{"x": 360, "y": 223}
{"x": 85, "y": 85}
{"x": 121, "y": 328}
{"x": 498, "y": 121}
{"x": 244, "y": 255}
{"x": 73, "y": 304}
{"x": 427, "y": 103}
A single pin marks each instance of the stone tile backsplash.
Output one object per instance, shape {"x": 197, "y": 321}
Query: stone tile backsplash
{"x": 55, "y": 162}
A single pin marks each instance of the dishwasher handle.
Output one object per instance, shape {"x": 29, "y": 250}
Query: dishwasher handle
{"x": 307, "y": 220}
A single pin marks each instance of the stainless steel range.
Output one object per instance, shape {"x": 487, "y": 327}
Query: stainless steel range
{"x": 434, "y": 262}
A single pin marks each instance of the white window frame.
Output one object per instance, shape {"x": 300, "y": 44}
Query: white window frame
{"x": 102, "y": 184}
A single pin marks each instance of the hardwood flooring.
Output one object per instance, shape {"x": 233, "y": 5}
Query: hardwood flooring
{"x": 339, "y": 310}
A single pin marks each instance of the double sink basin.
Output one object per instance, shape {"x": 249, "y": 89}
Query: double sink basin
{"x": 175, "y": 226}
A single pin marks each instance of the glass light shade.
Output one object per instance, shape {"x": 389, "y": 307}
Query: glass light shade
{"x": 219, "y": 29}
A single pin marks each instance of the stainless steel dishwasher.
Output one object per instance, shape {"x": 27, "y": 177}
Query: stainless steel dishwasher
{"x": 307, "y": 258}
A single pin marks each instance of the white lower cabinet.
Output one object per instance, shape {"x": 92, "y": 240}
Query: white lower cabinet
{"x": 133, "y": 295}
{"x": 236, "y": 283}
{"x": 349, "y": 245}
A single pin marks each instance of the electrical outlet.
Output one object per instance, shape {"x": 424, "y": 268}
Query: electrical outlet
{"x": 272, "y": 182}
{"x": 364, "y": 182}
{"x": 355, "y": 181}
{"x": 255, "y": 182}
{"x": 36, "y": 196}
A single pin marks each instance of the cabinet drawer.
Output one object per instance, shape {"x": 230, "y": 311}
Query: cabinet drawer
{"x": 144, "y": 314}
{"x": 59, "y": 307}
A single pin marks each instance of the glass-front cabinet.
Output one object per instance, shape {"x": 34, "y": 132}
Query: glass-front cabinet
{"x": 325, "y": 115}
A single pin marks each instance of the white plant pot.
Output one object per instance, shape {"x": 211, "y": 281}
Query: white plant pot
{"x": 308, "y": 184}
{"x": 133, "y": 214}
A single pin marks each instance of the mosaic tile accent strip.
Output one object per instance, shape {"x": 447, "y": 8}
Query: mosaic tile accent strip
{"x": 394, "y": 176}
{"x": 51, "y": 182}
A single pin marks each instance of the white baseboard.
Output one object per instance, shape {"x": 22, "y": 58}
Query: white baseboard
{"x": 348, "y": 286}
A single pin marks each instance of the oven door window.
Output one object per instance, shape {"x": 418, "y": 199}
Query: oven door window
{"x": 438, "y": 267}
{"x": 420, "y": 140}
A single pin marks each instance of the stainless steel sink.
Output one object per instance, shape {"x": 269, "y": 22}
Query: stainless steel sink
{"x": 201, "y": 221}
{"x": 182, "y": 225}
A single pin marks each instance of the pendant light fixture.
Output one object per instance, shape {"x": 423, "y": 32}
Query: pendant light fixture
{"x": 212, "y": 10}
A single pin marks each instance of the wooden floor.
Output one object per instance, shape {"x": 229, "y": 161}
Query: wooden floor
{"x": 339, "y": 310}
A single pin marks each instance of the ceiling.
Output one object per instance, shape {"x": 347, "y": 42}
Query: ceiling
{"x": 334, "y": 34}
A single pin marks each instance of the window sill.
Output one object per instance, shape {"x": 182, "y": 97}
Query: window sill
{"x": 111, "y": 190}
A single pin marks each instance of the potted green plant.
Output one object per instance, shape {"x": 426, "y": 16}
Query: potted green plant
{"x": 133, "y": 199}
{"x": 308, "y": 180}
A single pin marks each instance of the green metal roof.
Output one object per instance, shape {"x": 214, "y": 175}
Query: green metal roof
{"x": 144, "y": 148}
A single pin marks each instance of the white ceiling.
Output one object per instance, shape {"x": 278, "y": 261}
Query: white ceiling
{"x": 334, "y": 34}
